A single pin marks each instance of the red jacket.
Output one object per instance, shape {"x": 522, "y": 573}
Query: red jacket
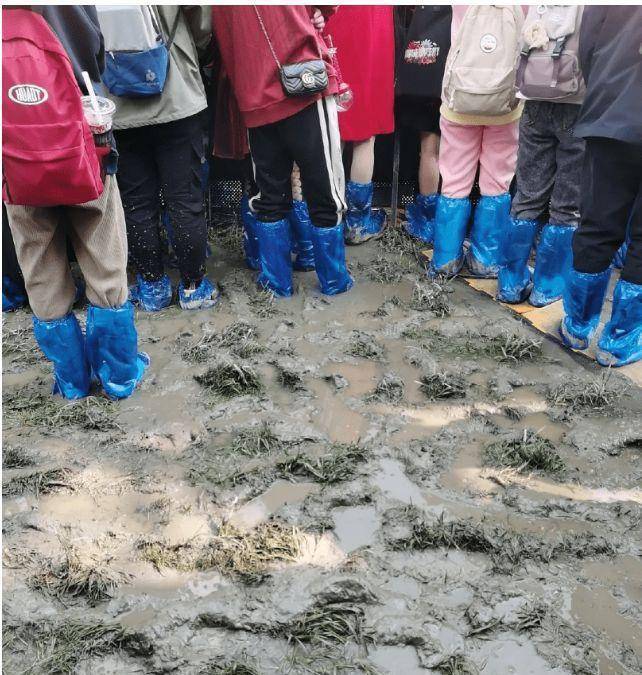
{"x": 251, "y": 67}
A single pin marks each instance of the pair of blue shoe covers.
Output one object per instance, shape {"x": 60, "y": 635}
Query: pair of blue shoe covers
{"x": 483, "y": 255}
{"x": 152, "y": 296}
{"x": 269, "y": 246}
{"x": 553, "y": 261}
{"x": 621, "y": 340}
{"x": 108, "y": 352}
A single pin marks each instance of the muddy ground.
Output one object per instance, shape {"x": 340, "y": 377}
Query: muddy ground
{"x": 403, "y": 479}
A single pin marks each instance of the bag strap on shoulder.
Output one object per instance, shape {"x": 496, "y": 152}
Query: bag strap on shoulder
{"x": 172, "y": 34}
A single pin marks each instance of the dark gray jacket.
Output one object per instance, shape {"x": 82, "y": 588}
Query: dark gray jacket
{"x": 77, "y": 28}
{"x": 611, "y": 60}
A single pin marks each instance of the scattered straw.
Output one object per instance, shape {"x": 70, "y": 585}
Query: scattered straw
{"x": 229, "y": 380}
{"x": 528, "y": 453}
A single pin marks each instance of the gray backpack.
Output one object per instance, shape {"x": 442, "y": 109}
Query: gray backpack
{"x": 549, "y": 67}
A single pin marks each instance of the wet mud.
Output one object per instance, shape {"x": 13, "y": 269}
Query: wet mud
{"x": 404, "y": 479}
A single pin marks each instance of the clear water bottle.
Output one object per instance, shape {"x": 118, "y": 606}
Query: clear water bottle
{"x": 344, "y": 97}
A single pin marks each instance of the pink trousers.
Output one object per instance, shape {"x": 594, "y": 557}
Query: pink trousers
{"x": 464, "y": 146}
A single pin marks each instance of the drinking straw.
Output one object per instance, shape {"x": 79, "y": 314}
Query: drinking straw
{"x": 90, "y": 90}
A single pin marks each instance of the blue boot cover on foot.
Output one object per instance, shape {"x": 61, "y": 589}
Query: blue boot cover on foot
{"x": 362, "y": 222}
{"x": 514, "y": 277}
{"x": 63, "y": 343}
{"x": 112, "y": 349}
{"x": 203, "y": 296}
{"x": 14, "y": 295}
{"x": 330, "y": 258}
{"x": 151, "y": 296}
{"x": 553, "y": 261}
{"x": 420, "y": 218}
{"x": 250, "y": 242}
{"x": 621, "y": 339}
{"x": 301, "y": 234}
{"x": 275, "y": 262}
{"x": 492, "y": 216}
{"x": 583, "y": 299}
{"x": 451, "y": 221}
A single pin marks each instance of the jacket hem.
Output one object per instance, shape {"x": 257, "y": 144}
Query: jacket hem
{"x": 481, "y": 120}
{"x": 162, "y": 119}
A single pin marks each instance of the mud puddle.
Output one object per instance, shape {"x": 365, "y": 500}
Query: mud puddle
{"x": 194, "y": 528}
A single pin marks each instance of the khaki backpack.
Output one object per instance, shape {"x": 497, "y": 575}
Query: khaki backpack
{"x": 479, "y": 78}
{"x": 549, "y": 66}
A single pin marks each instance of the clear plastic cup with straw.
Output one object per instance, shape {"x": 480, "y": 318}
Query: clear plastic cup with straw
{"x": 99, "y": 111}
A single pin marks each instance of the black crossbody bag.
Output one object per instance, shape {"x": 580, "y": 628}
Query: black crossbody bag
{"x": 298, "y": 79}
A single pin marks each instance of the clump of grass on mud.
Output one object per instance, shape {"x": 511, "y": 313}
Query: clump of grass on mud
{"x": 35, "y": 408}
{"x": 365, "y": 346}
{"x": 229, "y": 380}
{"x": 576, "y": 395}
{"x": 230, "y": 668}
{"x": 327, "y": 624}
{"x": 506, "y": 548}
{"x": 14, "y": 457}
{"x": 431, "y": 297}
{"x": 256, "y": 441}
{"x": 386, "y": 270}
{"x": 61, "y": 647}
{"x": 240, "y": 337}
{"x": 340, "y": 464}
{"x": 289, "y": 379}
{"x": 263, "y": 304}
{"x": 439, "y": 386}
{"x": 245, "y": 555}
{"x": 397, "y": 240}
{"x": 512, "y": 347}
{"x": 19, "y": 344}
{"x": 531, "y": 452}
{"x": 78, "y": 575}
{"x": 41, "y": 481}
{"x": 456, "y": 664}
{"x": 390, "y": 389}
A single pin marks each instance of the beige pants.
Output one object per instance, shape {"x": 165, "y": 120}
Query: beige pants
{"x": 97, "y": 233}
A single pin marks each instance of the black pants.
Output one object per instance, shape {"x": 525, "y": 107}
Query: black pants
{"x": 168, "y": 158}
{"x": 611, "y": 200}
{"x": 311, "y": 139}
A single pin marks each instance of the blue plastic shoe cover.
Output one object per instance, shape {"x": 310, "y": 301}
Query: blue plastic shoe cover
{"x": 621, "y": 339}
{"x": 63, "y": 343}
{"x": 620, "y": 256}
{"x": 420, "y": 218}
{"x": 250, "y": 242}
{"x": 451, "y": 221}
{"x": 553, "y": 261}
{"x": 514, "y": 277}
{"x": 301, "y": 224}
{"x": 14, "y": 295}
{"x": 203, "y": 296}
{"x": 330, "y": 257}
{"x": 112, "y": 349}
{"x": 151, "y": 296}
{"x": 492, "y": 217}
{"x": 275, "y": 263}
{"x": 362, "y": 222}
{"x": 583, "y": 299}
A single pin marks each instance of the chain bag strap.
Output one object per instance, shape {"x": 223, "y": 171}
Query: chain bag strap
{"x": 298, "y": 79}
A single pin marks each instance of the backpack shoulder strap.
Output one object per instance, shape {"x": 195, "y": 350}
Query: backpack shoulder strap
{"x": 172, "y": 34}
{"x": 29, "y": 25}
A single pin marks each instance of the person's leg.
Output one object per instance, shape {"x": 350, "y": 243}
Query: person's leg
{"x": 312, "y": 139}
{"x": 301, "y": 225}
{"x": 41, "y": 249}
{"x": 248, "y": 219}
{"x": 420, "y": 215}
{"x": 98, "y": 235}
{"x": 179, "y": 157}
{"x": 14, "y": 294}
{"x": 362, "y": 166}
{"x": 621, "y": 339}
{"x": 535, "y": 175}
{"x": 497, "y": 162}
{"x": 140, "y": 193}
{"x": 610, "y": 185}
{"x": 554, "y": 255}
{"x": 272, "y": 165}
{"x": 459, "y": 152}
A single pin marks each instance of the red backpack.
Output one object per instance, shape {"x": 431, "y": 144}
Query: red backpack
{"x": 48, "y": 152}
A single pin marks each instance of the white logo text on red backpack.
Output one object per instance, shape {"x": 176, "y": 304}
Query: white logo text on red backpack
{"x": 28, "y": 94}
